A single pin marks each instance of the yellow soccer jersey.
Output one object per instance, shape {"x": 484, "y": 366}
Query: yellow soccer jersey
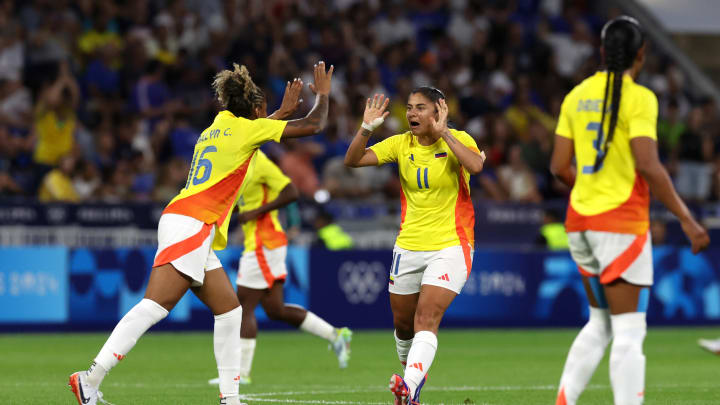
{"x": 223, "y": 158}
{"x": 265, "y": 185}
{"x": 612, "y": 197}
{"x": 436, "y": 210}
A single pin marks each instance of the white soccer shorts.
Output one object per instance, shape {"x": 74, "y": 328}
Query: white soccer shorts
{"x": 447, "y": 268}
{"x": 612, "y": 255}
{"x": 186, "y": 243}
{"x": 260, "y": 269}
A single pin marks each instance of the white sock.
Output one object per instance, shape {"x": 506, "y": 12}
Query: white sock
{"x": 420, "y": 358}
{"x": 585, "y": 354}
{"x": 247, "y": 349}
{"x": 317, "y": 326}
{"x": 627, "y": 362}
{"x": 403, "y": 348}
{"x": 226, "y": 342}
{"x": 139, "y": 319}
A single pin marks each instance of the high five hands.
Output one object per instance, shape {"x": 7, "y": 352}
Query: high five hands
{"x": 375, "y": 112}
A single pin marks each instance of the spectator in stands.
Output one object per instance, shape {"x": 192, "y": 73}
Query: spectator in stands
{"x": 694, "y": 169}
{"x": 330, "y": 235}
{"x": 552, "y": 232}
{"x": 57, "y": 185}
{"x": 55, "y": 119}
{"x": 86, "y": 180}
{"x": 670, "y": 130}
{"x": 517, "y": 179}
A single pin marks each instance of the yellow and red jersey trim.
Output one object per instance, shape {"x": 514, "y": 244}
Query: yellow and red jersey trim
{"x": 631, "y": 217}
{"x": 265, "y": 230}
{"x": 214, "y": 203}
{"x": 403, "y": 208}
{"x": 465, "y": 220}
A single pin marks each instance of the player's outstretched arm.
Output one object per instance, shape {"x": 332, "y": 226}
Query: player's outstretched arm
{"x": 561, "y": 163}
{"x": 647, "y": 163}
{"x": 358, "y": 154}
{"x": 290, "y": 102}
{"x": 471, "y": 161}
{"x": 288, "y": 195}
{"x": 316, "y": 119}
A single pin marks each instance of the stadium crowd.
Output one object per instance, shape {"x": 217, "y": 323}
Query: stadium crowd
{"x": 103, "y": 100}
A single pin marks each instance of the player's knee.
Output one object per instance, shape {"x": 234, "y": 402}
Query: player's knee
{"x": 404, "y": 326}
{"x": 427, "y": 319}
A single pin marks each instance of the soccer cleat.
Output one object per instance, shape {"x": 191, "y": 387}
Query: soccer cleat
{"x": 241, "y": 380}
{"x": 235, "y": 400}
{"x": 84, "y": 392}
{"x": 710, "y": 345}
{"x": 341, "y": 346}
{"x": 402, "y": 393}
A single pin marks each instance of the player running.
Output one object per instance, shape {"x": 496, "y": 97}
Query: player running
{"x": 433, "y": 252}
{"x": 608, "y": 215}
{"x": 262, "y": 266}
{"x": 196, "y": 221}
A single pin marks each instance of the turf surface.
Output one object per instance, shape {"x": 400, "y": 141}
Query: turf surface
{"x": 472, "y": 366}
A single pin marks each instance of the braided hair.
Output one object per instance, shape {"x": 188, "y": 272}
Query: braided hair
{"x": 622, "y": 39}
{"x": 236, "y": 91}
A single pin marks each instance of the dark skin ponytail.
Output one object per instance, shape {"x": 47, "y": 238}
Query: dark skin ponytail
{"x": 622, "y": 39}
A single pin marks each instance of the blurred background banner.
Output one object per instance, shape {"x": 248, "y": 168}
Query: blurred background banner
{"x": 54, "y": 288}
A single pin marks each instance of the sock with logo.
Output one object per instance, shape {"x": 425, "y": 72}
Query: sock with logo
{"x": 226, "y": 342}
{"x": 134, "y": 324}
{"x": 247, "y": 349}
{"x": 627, "y": 361}
{"x": 420, "y": 358}
{"x": 403, "y": 348}
{"x": 317, "y": 326}
{"x": 585, "y": 354}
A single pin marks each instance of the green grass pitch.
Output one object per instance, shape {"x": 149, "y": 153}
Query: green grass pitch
{"x": 472, "y": 367}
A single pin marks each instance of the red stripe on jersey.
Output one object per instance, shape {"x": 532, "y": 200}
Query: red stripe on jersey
{"x": 621, "y": 263}
{"x": 465, "y": 220}
{"x": 632, "y": 216}
{"x": 215, "y": 203}
{"x": 259, "y": 253}
{"x": 403, "y": 208}
{"x": 265, "y": 229}
{"x": 183, "y": 247}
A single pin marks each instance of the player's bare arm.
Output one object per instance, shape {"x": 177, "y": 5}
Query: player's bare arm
{"x": 470, "y": 160}
{"x": 288, "y": 195}
{"x": 291, "y": 100}
{"x": 647, "y": 163}
{"x": 358, "y": 154}
{"x": 561, "y": 165}
{"x": 316, "y": 120}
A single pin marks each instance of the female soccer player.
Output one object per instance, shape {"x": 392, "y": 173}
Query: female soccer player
{"x": 262, "y": 266}
{"x": 608, "y": 215}
{"x": 196, "y": 222}
{"x": 433, "y": 252}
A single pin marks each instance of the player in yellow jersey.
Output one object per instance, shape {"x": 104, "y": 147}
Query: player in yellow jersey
{"x": 262, "y": 266}
{"x": 433, "y": 252}
{"x": 196, "y": 221}
{"x": 608, "y": 124}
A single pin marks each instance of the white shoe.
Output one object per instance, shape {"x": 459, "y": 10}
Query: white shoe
{"x": 710, "y": 345}
{"x": 231, "y": 401}
{"x": 242, "y": 380}
{"x": 85, "y": 393}
{"x": 341, "y": 346}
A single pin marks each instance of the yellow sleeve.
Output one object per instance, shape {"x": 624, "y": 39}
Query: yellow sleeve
{"x": 270, "y": 174}
{"x": 564, "y": 127}
{"x": 387, "y": 150}
{"x": 643, "y": 120}
{"x": 262, "y": 130}
{"x": 466, "y": 140}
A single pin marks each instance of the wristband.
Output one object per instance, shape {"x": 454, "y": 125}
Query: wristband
{"x": 374, "y": 124}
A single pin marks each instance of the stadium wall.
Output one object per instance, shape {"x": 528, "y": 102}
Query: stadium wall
{"x": 56, "y": 288}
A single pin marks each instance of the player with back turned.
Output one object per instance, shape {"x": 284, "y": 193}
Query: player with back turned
{"x": 196, "y": 222}
{"x": 608, "y": 124}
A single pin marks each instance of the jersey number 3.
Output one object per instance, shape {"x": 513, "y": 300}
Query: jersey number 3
{"x": 595, "y": 127}
{"x": 205, "y": 164}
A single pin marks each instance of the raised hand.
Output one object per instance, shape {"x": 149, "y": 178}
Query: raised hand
{"x": 375, "y": 113}
{"x": 291, "y": 99}
{"x": 439, "y": 126}
{"x": 322, "y": 79}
